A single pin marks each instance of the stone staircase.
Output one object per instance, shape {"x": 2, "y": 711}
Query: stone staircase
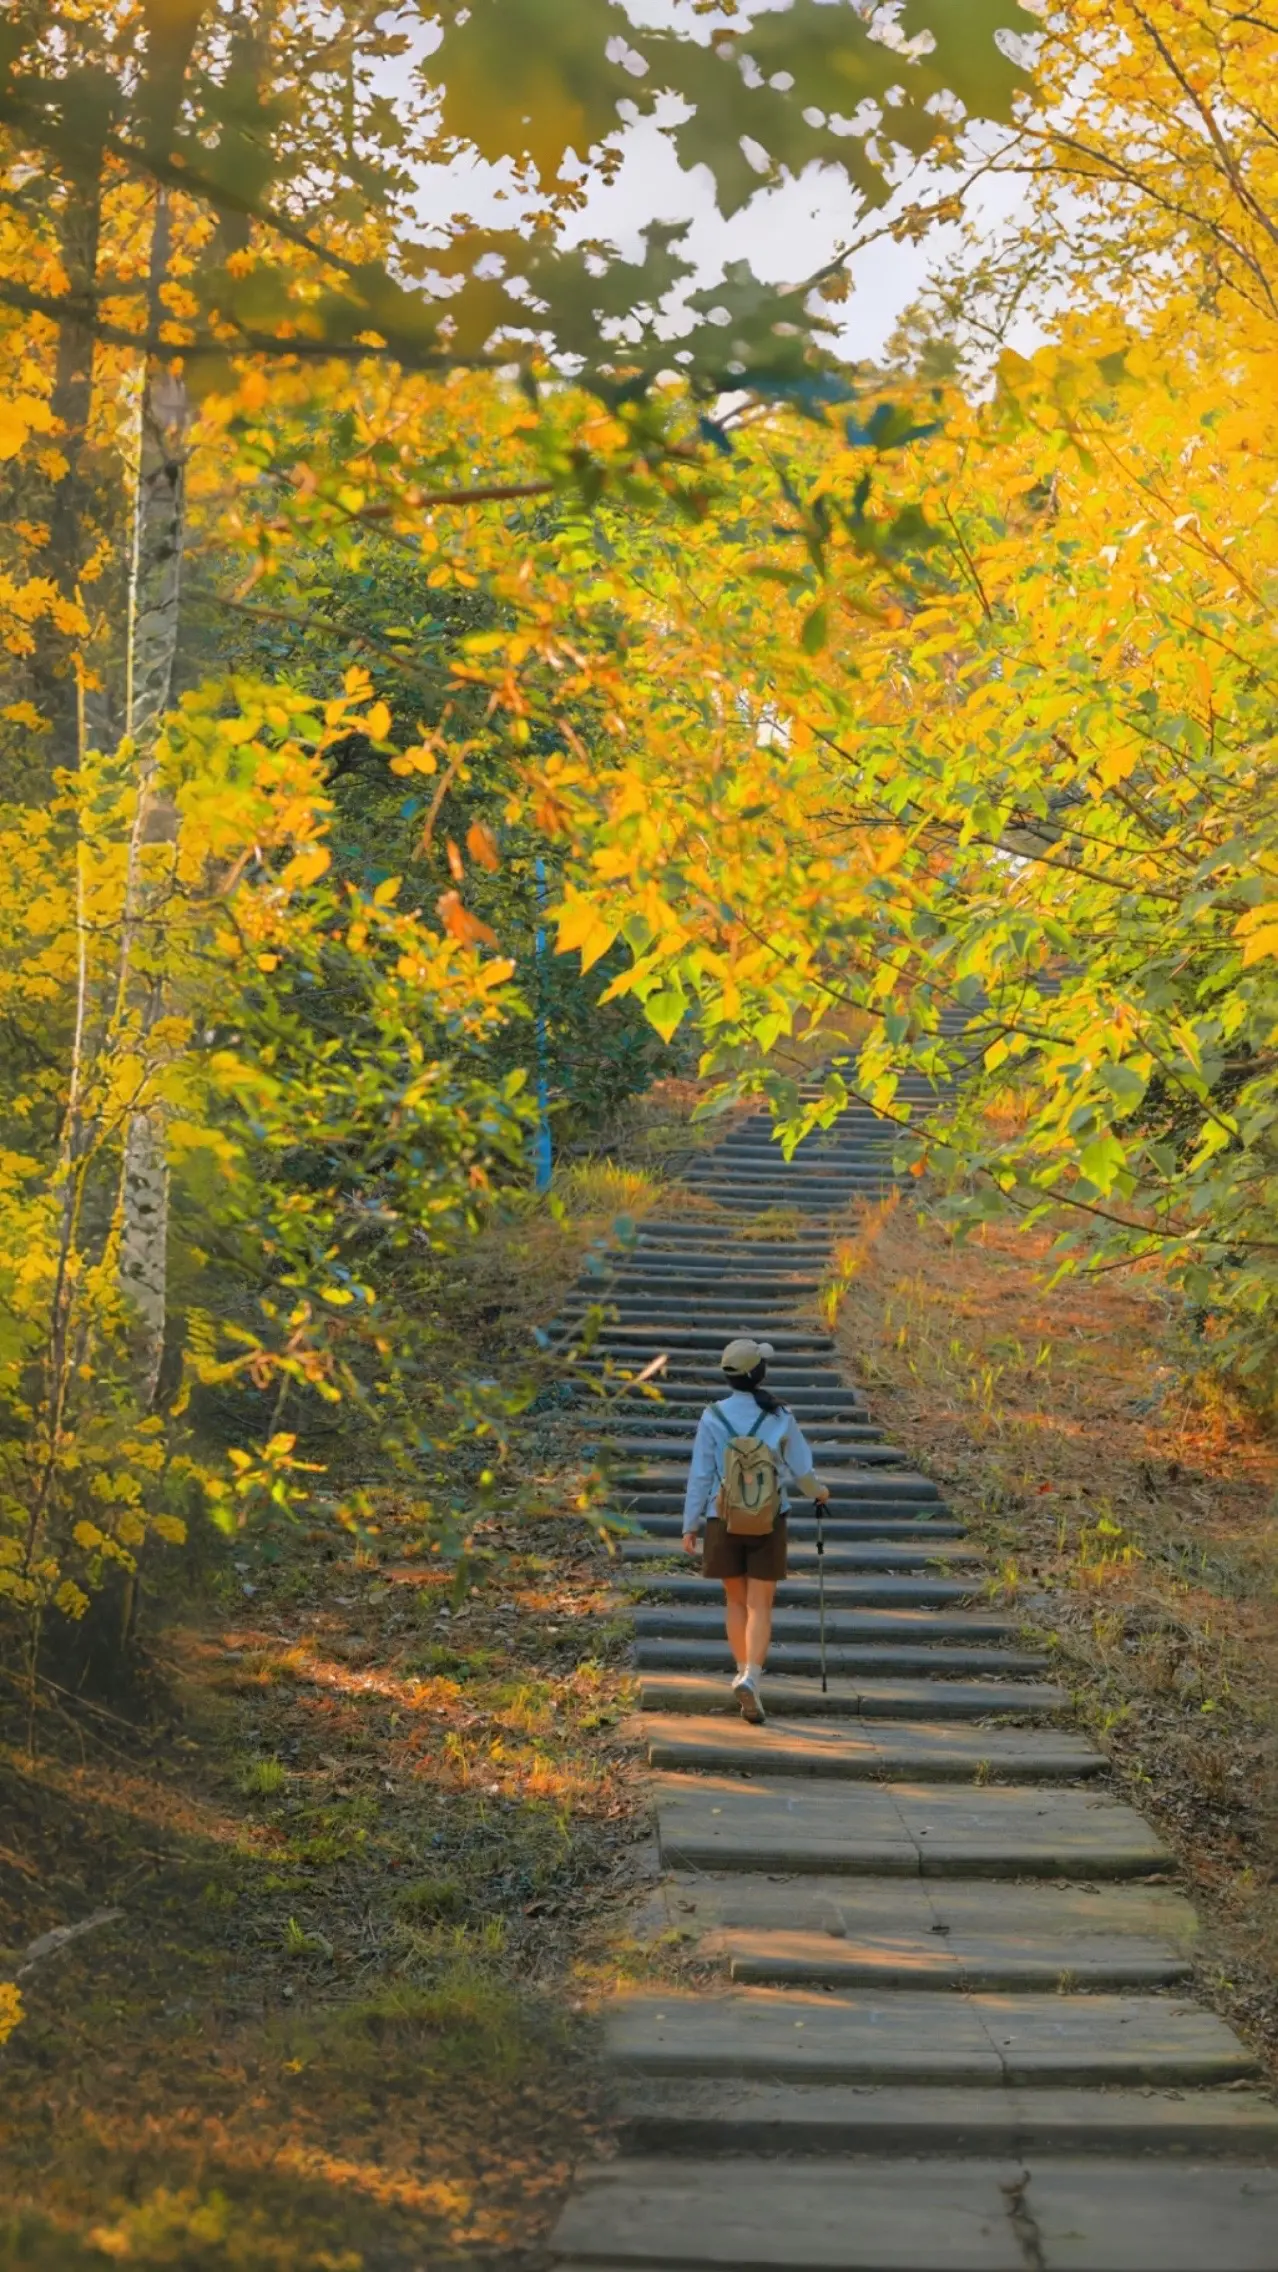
{"x": 952, "y": 2029}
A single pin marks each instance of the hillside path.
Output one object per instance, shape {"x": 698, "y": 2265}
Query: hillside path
{"x": 953, "y": 2029}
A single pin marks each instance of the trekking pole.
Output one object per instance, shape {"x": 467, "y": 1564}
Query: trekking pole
{"x": 820, "y": 1506}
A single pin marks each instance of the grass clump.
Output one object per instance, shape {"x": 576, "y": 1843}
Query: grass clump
{"x": 431, "y": 1901}
{"x": 262, "y": 1778}
{"x": 437, "y": 1658}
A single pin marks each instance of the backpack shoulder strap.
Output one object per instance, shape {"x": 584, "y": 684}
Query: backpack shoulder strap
{"x": 716, "y": 1412}
{"x": 781, "y": 1414}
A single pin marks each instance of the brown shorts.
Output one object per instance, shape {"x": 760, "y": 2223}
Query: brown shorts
{"x": 727, "y": 1555}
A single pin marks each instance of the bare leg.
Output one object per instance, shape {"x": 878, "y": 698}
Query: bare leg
{"x": 758, "y": 1631}
{"x": 735, "y": 1616}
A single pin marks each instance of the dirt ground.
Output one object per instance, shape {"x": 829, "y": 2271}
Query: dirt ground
{"x": 354, "y": 1863}
{"x": 1131, "y": 1506}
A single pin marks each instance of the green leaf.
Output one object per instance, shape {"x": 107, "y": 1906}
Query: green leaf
{"x": 666, "y": 1011}
{"x": 1102, "y": 1161}
{"x": 816, "y": 628}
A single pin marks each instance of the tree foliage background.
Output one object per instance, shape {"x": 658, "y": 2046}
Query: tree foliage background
{"x": 302, "y": 626}
{"x": 368, "y": 586}
{"x": 987, "y": 718}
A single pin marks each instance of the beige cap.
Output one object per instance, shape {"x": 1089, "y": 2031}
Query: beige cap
{"x": 742, "y": 1355}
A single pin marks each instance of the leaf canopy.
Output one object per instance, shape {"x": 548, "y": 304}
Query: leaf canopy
{"x": 279, "y": 126}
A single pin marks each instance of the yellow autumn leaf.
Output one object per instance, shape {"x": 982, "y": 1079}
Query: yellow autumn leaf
{"x": 11, "y": 2011}
{"x": 583, "y": 927}
{"x": 305, "y": 867}
{"x": 1258, "y": 930}
{"x": 21, "y": 415}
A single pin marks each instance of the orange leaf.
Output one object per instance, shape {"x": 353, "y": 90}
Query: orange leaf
{"x": 456, "y": 864}
{"x": 482, "y": 846}
{"x": 461, "y": 924}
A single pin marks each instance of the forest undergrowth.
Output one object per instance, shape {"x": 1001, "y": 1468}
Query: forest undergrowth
{"x": 355, "y": 1849}
{"x": 1128, "y": 1501}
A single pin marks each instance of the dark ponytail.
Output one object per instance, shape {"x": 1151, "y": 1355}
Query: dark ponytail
{"x": 750, "y": 1384}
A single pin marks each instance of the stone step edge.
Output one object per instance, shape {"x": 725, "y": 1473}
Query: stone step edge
{"x": 667, "y": 1692}
{"x": 828, "y": 2119}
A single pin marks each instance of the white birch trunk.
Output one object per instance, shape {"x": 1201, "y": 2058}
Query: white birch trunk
{"x": 154, "y": 598}
{"x": 144, "y": 1240}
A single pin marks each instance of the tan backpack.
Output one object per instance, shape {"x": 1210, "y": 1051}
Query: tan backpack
{"x": 750, "y": 1494}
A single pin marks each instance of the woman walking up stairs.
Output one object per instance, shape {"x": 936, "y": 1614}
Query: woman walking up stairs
{"x": 748, "y": 1449}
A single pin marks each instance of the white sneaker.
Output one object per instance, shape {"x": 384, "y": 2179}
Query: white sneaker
{"x": 746, "y": 1691}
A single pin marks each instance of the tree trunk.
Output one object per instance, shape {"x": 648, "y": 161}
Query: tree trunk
{"x": 144, "y": 1241}
{"x": 154, "y": 598}
{"x": 58, "y": 698}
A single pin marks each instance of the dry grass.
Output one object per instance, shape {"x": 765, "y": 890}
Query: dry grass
{"x": 1142, "y": 1506}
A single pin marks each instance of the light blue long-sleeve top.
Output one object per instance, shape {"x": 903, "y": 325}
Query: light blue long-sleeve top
{"x": 744, "y": 1418}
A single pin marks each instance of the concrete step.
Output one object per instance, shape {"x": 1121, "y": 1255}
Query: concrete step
{"x": 723, "y": 2118}
{"x": 845, "y": 1660}
{"x": 727, "y": 1196}
{"x": 801, "y": 1387}
{"x": 1099, "y": 2214}
{"x": 671, "y": 1437}
{"x": 682, "y": 1287}
{"x": 920, "y": 1751}
{"x": 674, "y": 1277}
{"x": 860, "y": 1497}
{"x": 841, "y": 1591}
{"x": 852, "y": 1494}
{"x": 692, "y": 1337}
{"x": 828, "y": 1172}
{"x": 868, "y": 1516}
{"x": 846, "y": 1135}
{"x": 726, "y": 1822}
{"x": 682, "y": 1429}
{"x": 676, "y": 1394}
{"x": 728, "y": 1288}
{"x": 941, "y": 1553}
{"x": 862, "y": 1502}
{"x": 838, "y": 1461}
{"x": 701, "y": 1370}
{"x": 926, "y": 2036}
{"x": 764, "y": 1316}
{"x": 863, "y": 1153}
{"x": 708, "y": 1242}
{"x": 661, "y": 1454}
{"x": 923, "y": 1626}
{"x": 835, "y": 1206}
{"x": 776, "y": 1186}
{"x": 939, "y": 1933}
{"x": 772, "y": 1177}
{"x": 678, "y": 1233}
{"x": 899, "y": 1520}
{"x": 678, "y": 1421}
{"x": 887, "y": 1960}
{"x": 879, "y": 1700}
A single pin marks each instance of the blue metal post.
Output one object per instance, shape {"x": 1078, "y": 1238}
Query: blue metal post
{"x": 543, "y": 1150}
